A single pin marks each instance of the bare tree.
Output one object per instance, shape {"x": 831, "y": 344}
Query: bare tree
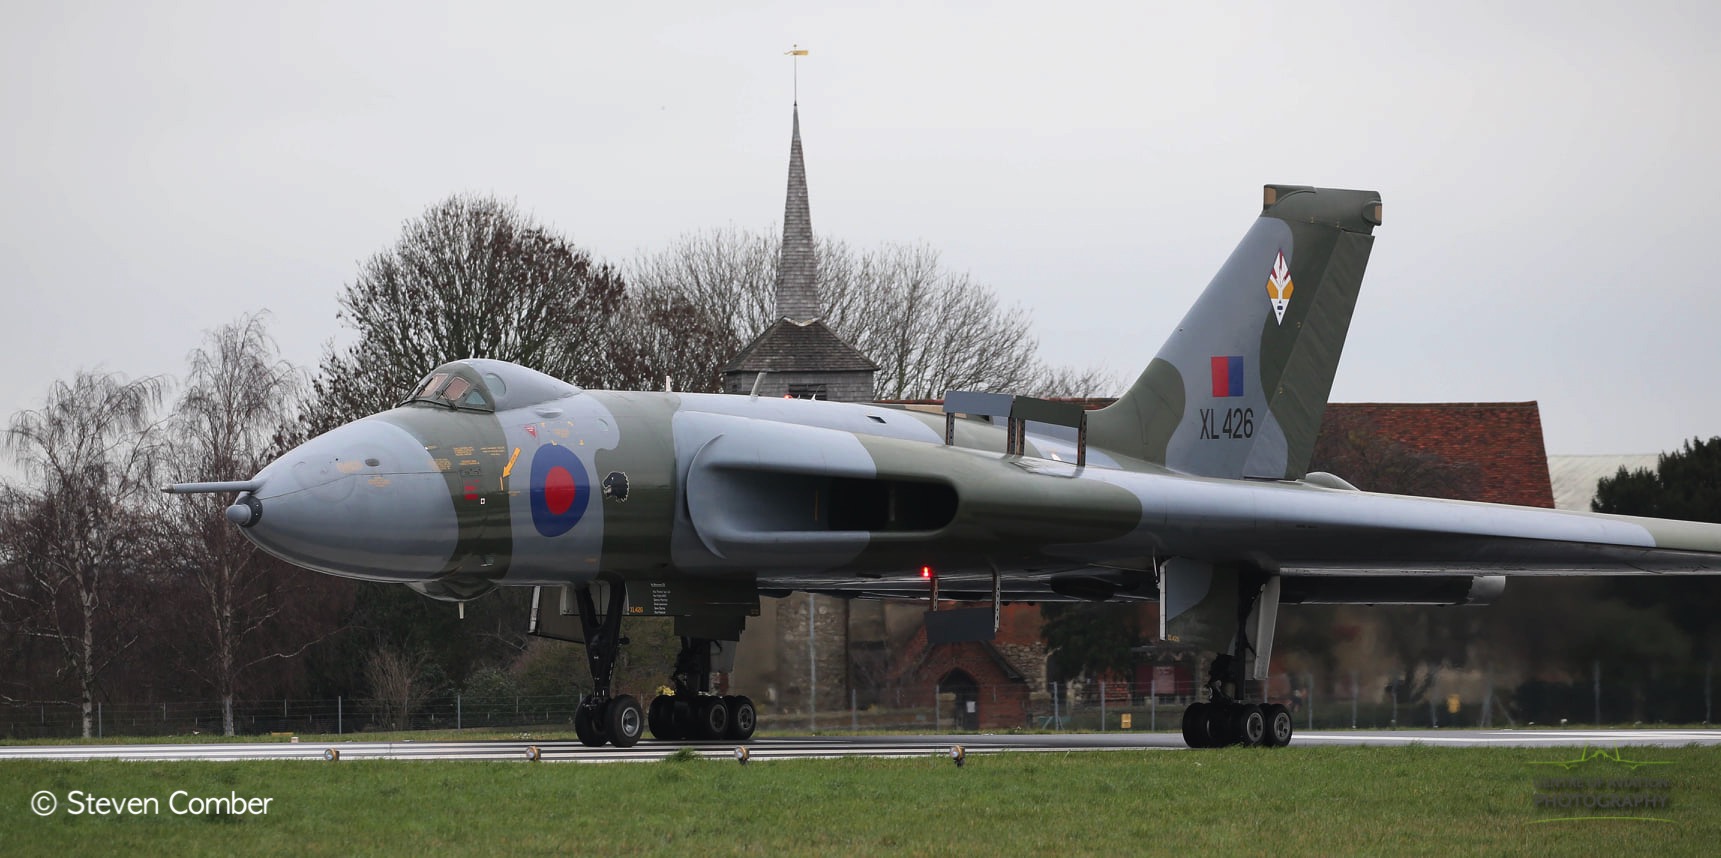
{"x": 928, "y": 328}
{"x": 398, "y": 684}
{"x": 80, "y": 522}
{"x": 472, "y": 277}
{"x": 238, "y": 394}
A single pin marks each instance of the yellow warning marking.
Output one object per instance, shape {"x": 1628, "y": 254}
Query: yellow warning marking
{"x": 508, "y": 468}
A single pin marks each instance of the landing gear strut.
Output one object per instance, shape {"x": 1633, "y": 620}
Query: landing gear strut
{"x": 691, "y": 711}
{"x": 1225, "y": 718}
{"x": 601, "y": 718}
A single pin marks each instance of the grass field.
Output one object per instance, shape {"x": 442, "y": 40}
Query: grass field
{"x": 1295, "y": 801}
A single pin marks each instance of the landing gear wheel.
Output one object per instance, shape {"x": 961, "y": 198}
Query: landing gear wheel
{"x": 625, "y": 722}
{"x": 589, "y": 723}
{"x": 661, "y": 718}
{"x": 1195, "y": 725}
{"x": 1221, "y": 725}
{"x": 1279, "y": 725}
{"x": 1249, "y": 724}
{"x": 712, "y": 719}
{"x": 742, "y": 718}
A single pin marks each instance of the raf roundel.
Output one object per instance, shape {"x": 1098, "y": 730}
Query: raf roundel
{"x": 560, "y": 489}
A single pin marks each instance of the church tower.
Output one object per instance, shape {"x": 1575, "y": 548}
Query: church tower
{"x": 798, "y": 355}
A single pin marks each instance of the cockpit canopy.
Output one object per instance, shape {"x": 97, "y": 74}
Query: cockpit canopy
{"x": 481, "y": 384}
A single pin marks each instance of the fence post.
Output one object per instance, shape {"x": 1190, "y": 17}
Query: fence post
{"x": 854, "y": 711}
{"x": 1355, "y": 693}
{"x": 457, "y": 712}
{"x": 1102, "y": 706}
{"x": 1708, "y": 698}
{"x": 1309, "y": 697}
{"x": 937, "y": 713}
{"x": 1057, "y": 712}
{"x": 338, "y": 713}
{"x": 98, "y": 719}
{"x": 1153, "y": 704}
{"x": 1598, "y": 691}
{"x": 813, "y": 671}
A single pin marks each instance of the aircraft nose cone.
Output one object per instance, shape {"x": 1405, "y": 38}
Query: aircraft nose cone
{"x": 362, "y": 501}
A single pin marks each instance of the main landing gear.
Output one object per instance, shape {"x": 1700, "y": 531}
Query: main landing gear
{"x": 691, "y": 711}
{"x": 1223, "y": 720}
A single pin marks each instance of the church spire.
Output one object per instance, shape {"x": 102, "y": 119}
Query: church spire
{"x": 797, "y": 298}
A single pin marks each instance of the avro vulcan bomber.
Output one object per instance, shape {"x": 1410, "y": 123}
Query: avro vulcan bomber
{"x": 1192, "y": 489}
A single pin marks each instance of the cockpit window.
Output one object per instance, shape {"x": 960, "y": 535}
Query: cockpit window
{"x": 481, "y": 384}
{"x": 430, "y": 385}
{"x": 453, "y": 386}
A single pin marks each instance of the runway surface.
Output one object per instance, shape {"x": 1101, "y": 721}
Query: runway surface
{"x": 832, "y": 746}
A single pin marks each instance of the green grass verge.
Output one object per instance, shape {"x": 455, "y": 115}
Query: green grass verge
{"x": 1294, "y": 801}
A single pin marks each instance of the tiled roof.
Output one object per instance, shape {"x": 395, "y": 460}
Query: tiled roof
{"x": 792, "y": 347}
{"x": 1500, "y": 442}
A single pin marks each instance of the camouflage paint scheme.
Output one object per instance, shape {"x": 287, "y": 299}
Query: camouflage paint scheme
{"x": 1195, "y": 490}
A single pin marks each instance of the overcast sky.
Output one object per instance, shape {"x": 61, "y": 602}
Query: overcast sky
{"x": 1549, "y": 175}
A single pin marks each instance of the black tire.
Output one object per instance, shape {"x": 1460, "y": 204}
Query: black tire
{"x": 625, "y": 722}
{"x": 1195, "y": 725}
{"x": 589, "y": 723}
{"x": 1249, "y": 724}
{"x": 683, "y": 715}
{"x": 1280, "y": 725}
{"x": 712, "y": 721}
{"x": 1221, "y": 724}
{"x": 661, "y": 718}
{"x": 743, "y": 718}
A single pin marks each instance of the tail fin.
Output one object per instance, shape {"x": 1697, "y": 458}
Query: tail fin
{"x": 1239, "y": 389}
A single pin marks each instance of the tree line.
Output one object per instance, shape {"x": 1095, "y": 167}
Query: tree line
{"x": 110, "y": 590}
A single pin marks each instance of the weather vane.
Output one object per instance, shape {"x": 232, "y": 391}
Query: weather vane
{"x": 797, "y": 52}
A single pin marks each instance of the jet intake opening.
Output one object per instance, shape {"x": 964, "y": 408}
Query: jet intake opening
{"x": 889, "y": 505}
{"x": 772, "y": 502}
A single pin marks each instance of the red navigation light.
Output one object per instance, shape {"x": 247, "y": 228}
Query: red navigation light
{"x": 926, "y": 571}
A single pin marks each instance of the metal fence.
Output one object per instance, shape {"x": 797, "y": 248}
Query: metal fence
{"x": 1347, "y": 701}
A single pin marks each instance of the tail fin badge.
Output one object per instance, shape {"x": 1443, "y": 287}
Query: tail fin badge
{"x": 1227, "y": 376}
{"x": 1279, "y": 287}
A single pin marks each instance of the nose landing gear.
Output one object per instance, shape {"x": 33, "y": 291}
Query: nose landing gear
{"x": 600, "y": 718}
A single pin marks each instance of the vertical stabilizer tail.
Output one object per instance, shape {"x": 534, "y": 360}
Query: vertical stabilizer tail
{"x": 1239, "y": 388}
